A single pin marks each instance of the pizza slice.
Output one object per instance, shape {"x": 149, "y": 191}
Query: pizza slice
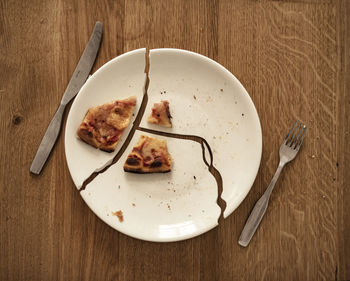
{"x": 150, "y": 155}
{"x": 103, "y": 125}
{"x": 160, "y": 114}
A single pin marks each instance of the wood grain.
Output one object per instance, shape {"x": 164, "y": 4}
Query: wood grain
{"x": 292, "y": 57}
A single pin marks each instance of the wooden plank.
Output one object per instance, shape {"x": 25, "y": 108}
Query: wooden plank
{"x": 183, "y": 24}
{"x": 343, "y": 140}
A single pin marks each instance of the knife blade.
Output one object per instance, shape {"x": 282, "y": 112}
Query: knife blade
{"x": 78, "y": 79}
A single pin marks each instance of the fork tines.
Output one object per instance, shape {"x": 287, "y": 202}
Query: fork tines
{"x": 295, "y": 137}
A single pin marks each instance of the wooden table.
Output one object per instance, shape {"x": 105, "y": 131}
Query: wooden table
{"x": 293, "y": 58}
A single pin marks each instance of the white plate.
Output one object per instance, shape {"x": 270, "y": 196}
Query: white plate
{"x": 205, "y": 100}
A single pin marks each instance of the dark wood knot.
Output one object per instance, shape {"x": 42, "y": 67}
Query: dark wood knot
{"x": 17, "y": 119}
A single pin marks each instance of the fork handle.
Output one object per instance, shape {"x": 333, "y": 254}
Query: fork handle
{"x": 258, "y": 211}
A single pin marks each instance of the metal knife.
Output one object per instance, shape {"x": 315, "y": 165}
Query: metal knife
{"x": 78, "y": 79}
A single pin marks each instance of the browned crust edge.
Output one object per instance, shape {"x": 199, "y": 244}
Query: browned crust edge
{"x": 139, "y": 171}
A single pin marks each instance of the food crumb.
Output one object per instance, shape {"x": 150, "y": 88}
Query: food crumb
{"x": 194, "y": 97}
{"x": 313, "y": 156}
{"x": 169, "y": 208}
{"x": 133, "y": 204}
{"x": 119, "y": 214}
{"x": 209, "y": 99}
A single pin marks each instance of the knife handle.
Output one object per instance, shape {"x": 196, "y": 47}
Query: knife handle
{"x": 48, "y": 141}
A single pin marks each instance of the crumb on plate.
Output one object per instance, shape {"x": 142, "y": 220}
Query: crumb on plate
{"x": 119, "y": 214}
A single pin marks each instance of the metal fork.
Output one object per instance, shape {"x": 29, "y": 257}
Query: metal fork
{"x": 288, "y": 150}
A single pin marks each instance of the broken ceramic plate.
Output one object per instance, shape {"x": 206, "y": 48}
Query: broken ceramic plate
{"x": 206, "y": 100}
